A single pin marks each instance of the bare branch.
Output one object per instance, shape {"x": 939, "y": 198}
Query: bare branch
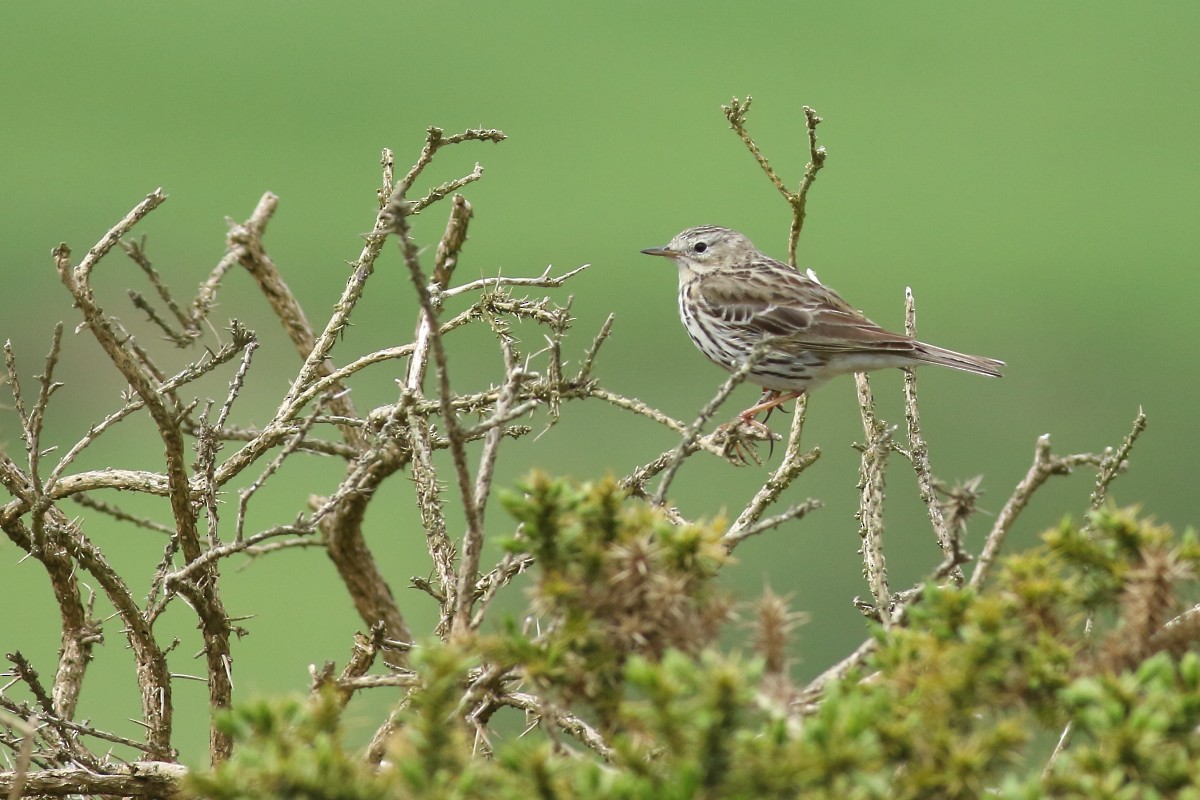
{"x": 918, "y": 449}
{"x": 136, "y": 250}
{"x": 736, "y": 536}
{"x": 82, "y": 273}
{"x": 239, "y": 378}
{"x": 191, "y": 372}
{"x": 545, "y": 280}
{"x": 1045, "y": 464}
{"x": 589, "y": 358}
{"x": 693, "y": 431}
{"x": 799, "y": 200}
{"x": 246, "y": 242}
{"x": 149, "y": 779}
{"x": 811, "y": 693}
{"x": 736, "y": 112}
{"x": 490, "y": 584}
{"x": 435, "y": 140}
{"x": 569, "y": 723}
{"x": 639, "y": 408}
{"x": 143, "y": 381}
{"x": 871, "y": 487}
{"x": 440, "y": 192}
{"x": 87, "y": 501}
{"x": 1114, "y": 462}
{"x": 794, "y": 462}
{"x": 428, "y": 327}
{"x": 287, "y": 450}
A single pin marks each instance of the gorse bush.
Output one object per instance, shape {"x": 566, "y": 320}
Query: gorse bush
{"x": 965, "y": 698}
{"x": 613, "y": 579}
{"x": 1068, "y": 670}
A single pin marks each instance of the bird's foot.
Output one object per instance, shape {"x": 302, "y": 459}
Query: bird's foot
{"x": 745, "y": 427}
{"x": 738, "y": 437}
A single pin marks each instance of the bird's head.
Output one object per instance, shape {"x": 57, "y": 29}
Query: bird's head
{"x": 705, "y": 248}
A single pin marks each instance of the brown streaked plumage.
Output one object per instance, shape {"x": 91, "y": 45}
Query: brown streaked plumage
{"x": 731, "y": 297}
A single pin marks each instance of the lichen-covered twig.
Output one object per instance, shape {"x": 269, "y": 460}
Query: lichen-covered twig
{"x": 569, "y": 723}
{"x": 692, "y": 433}
{"x": 1045, "y": 464}
{"x": 736, "y": 113}
{"x": 794, "y": 462}
{"x": 875, "y": 449}
{"x": 1114, "y": 461}
{"x": 429, "y": 340}
{"x": 918, "y": 449}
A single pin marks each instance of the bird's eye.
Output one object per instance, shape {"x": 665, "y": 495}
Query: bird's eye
{"x": 699, "y": 247}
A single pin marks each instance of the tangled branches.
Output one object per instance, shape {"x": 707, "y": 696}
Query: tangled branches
{"x": 209, "y": 458}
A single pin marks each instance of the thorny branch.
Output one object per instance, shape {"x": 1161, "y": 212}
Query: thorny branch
{"x": 918, "y": 451}
{"x": 1045, "y": 464}
{"x": 736, "y": 112}
{"x": 314, "y": 416}
{"x": 794, "y": 462}
{"x": 691, "y": 434}
{"x": 875, "y": 449}
{"x": 947, "y": 518}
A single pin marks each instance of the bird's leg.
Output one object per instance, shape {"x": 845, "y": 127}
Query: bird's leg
{"x": 769, "y": 394}
{"x": 769, "y": 401}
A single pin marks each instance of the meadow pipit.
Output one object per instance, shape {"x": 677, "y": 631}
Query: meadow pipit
{"x": 732, "y": 297}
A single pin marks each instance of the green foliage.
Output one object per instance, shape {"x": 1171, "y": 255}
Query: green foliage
{"x": 435, "y": 751}
{"x": 963, "y": 698}
{"x": 1137, "y": 733}
{"x": 613, "y": 578}
{"x": 289, "y": 749}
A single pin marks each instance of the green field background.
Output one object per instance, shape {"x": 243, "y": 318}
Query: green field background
{"x": 1029, "y": 169}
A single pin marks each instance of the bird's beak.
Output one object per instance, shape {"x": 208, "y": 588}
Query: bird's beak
{"x": 661, "y": 251}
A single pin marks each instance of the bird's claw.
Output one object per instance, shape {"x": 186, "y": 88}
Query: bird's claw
{"x": 737, "y": 439}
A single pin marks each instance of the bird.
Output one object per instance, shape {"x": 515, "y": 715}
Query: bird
{"x": 734, "y": 298}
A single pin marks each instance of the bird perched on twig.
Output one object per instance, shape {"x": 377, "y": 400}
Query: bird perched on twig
{"x": 732, "y": 298}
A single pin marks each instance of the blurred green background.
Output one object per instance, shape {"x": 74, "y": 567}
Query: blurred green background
{"x": 1028, "y": 168}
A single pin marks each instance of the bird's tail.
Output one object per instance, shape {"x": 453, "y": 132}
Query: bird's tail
{"x": 933, "y": 354}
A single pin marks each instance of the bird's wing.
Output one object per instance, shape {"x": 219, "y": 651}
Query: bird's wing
{"x": 801, "y": 313}
{"x": 752, "y": 305}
